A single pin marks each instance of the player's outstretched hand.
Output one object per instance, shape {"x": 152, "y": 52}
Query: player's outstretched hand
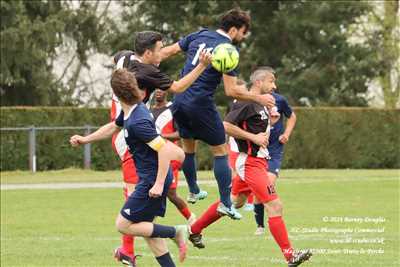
{"x": 77, "y": 140}
{"x": 266, "y": 100}
{"x": 205, "y": 57}
{"x": 156, "y": 190}
{"x": 261, "y": 139}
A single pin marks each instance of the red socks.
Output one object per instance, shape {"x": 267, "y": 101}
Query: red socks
{"x": 185, "y": 212}
{"x": 278, "y": 230}
{"x": 127, "y": 240}
{"x": 128, "y": 245}
{"x": 211, "y": 215}
{"x": 250, "y": 199}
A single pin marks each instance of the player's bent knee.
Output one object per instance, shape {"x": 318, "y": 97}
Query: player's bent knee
{"x": 274, "y": 207}
{"x": 219, "y": 150}
{"x": 122, "y": 224}
{"x": 189, "y": 146}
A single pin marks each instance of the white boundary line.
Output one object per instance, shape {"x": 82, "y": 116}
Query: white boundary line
{"x": 62, "y": 186}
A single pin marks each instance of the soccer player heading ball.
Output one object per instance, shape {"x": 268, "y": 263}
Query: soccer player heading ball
{"x": 195, "y": 112}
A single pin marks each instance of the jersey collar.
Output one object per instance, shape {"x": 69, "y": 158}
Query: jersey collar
{"x": 134, "y": 57}
{"x": 223, "y": 34}
{"x": 130, "y": 111}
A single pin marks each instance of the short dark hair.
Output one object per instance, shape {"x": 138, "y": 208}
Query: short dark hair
{"x": 125, "y": 87}
{"x": 260, "y": 73}
{"x": 235, "y": 18}
{"x": 146, "y": 40}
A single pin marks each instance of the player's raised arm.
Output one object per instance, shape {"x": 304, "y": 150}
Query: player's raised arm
{"x": 170, "y": 50}
{"x": 188, "y": 79}
{"x": 104, "y": 132}
{"x": 236, "y": 91}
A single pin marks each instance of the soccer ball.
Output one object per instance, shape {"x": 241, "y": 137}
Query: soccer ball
{"x": 225, "y": 58}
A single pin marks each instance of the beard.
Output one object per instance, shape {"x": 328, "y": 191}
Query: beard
{"x": 236, "y": 42}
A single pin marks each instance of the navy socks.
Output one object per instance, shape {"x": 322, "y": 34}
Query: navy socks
{"x": 223, "y": 174}
{"x": 189, "y": 169}
{"x": 165, "y": 260}
{"x": 163, "y": 231}
{"x": 259, "y": 214}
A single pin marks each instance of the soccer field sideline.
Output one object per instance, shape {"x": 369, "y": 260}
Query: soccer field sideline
{"x": 88, "y": 185}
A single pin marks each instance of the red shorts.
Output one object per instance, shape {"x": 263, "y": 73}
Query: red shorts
{"x": 176, "y": 166}
{"x": 129, "y": 170}
{"x": 232, "y": 159}
{"x": 252, "y": 177}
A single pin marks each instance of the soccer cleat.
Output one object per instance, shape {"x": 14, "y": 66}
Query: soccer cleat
{"x": 248, "y": 207}
{"x": 124, "y": 258}
{"x": 260, "y": 231}
{"x": 230, "y": 212}
{"x": 192, "y": 197}
{"x": 299, "y": 257}
{"x": 197, "y": 240}
{"x": 192, "y": 219}
{"x": 182, "y": 232}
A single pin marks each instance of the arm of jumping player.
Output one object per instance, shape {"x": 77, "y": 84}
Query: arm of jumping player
{"x": 240, "y": 92}
{"x": 188, "y": 79}
{"x": 170, "y": 50}
{"x": 260, "y": 139}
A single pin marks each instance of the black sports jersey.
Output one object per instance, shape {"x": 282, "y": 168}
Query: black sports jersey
{"x": 148, "y": 76}
{"x": 251, "y": 117}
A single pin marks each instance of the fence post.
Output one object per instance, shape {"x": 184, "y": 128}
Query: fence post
{"x": 32, "y": 149}
{"x": 86, "y": 151}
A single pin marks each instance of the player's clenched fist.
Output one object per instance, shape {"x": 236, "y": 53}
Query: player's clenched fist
{"x": 77, "y": 140}
{"x": 205, "y": 57}
{"x": 156, "y": 190}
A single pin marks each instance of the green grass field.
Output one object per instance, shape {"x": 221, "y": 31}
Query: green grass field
{"x": 348, "y": 217}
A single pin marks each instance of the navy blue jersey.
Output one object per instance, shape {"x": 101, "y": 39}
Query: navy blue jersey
{"x": 139, "y": 130}
{"x": 278, "y": 128}
{"x": 201, "y": 92}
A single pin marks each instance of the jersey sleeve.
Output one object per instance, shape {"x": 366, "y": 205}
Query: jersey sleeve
{"x": 237, "y": 115}
{"x": 285, "y": 108}
{"x": 119, "y": 121}
{"x": 144, "y": 130}
{"x": 155, "y": 78}
{"x": 185, "y": 41}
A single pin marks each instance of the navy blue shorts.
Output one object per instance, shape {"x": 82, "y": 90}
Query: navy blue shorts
{"x": 140, "y": 207}
{"x": 274, "y": 164}
{"x": 202, "y": 123}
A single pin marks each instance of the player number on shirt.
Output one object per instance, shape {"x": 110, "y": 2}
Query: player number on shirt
{"x": 201, "y": 47}
{"x": 263, "y": 115}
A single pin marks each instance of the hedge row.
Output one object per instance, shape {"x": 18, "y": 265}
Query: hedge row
{"x": 323, "y": 138}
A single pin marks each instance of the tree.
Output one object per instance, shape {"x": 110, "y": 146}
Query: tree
{"x": 389, "y": 53}
{"x": 305, "y": 41}
{"x": 31, "y": 33}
